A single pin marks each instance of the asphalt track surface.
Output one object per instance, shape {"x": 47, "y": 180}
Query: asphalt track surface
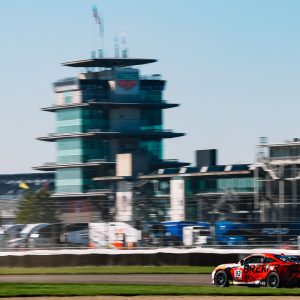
{"x": 152, "y": 279}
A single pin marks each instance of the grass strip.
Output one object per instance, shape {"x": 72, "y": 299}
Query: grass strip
{"x": 70, "y": 289}
{"x": 108, "y": 270}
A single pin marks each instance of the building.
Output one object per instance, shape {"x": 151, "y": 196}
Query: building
{"x": 205, "y": 192}
{"x": 265, "y": 191}
{"x": 108, "y": 109}
{"x": 260, "y": 192}
{"x": 282, "y": 185}
{"x": 110, "y": 164}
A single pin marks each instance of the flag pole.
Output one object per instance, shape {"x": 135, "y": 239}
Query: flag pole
{"x": 100, "y": 28}
{"x": 101, "y": 35}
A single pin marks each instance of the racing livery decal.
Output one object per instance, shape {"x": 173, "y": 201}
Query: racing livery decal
{"x": 269, "y": 270}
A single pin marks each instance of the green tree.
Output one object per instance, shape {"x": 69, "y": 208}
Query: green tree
{"x": 37, "y": 207}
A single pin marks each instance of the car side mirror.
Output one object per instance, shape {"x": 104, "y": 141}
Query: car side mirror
{"x": 242, "y": 262}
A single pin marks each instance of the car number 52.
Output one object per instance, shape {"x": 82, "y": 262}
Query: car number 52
{"x": 237, "y": 273}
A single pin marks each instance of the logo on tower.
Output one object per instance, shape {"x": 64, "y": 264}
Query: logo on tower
{"x": 127, "y": 81}
{"x": 127, "y": 84}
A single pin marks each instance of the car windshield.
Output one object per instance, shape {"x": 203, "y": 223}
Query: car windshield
{"x": 287, "y": 258}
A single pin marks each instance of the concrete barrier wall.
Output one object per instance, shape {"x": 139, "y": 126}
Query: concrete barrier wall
{"x": 142, "y": 257}
{"x": 158, "y": 259}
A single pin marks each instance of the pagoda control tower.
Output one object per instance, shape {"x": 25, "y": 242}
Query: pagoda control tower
{"x": 108, "y": 109}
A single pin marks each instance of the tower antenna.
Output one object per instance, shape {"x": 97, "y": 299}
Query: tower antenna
{"x": 117, "y": 46}
{"x": 124, "y": 47}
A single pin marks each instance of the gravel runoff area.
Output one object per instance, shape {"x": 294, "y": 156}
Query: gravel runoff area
{"x": 157, "y": 298}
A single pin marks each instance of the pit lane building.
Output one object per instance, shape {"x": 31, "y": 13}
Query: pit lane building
{"x": 282, "y": 185}
{"x": 205, "y": 192}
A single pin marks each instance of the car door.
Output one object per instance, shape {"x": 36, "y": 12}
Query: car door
{"x": 253, "y": 269}
{"x": 237, "y": 273}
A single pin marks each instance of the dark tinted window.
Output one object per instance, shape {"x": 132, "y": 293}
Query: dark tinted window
{"x": 239, "y": 168}
{"x": 254, "y": 260}
{"x": 287, "y": 258}
{"x": 268, "y": 260}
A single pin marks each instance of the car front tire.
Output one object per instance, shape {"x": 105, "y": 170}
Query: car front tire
{"x": 273, "y": 280}
{"x": 221, "y": 279}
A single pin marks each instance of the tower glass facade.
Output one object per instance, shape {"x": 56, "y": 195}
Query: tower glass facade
{"x": 106, "y": 110}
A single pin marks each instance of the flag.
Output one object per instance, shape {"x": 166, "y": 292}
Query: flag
{"x": 98, "y": 19}
{"x": 96, "y": 15}
{"x": 23, "y": 185}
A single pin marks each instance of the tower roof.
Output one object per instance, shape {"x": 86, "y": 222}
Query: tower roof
{"x": 108, "y": 62}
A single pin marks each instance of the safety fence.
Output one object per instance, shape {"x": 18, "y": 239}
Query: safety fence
{"x": 225, "y": 218}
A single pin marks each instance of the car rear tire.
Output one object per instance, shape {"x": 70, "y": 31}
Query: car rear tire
{"x": 221, "y": 279}
{"x": 273, "y": 280}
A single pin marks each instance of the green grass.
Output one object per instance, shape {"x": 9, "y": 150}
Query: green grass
{"x": 109, "y": 270}
{"x": 56, "y": 289}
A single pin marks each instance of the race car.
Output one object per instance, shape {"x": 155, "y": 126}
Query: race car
{"x": 271, "y": 270}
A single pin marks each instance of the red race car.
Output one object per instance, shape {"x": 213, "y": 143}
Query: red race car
{"x": 269, "y": 270}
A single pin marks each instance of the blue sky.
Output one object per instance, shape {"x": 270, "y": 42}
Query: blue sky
{"x": 232, "y": 65}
